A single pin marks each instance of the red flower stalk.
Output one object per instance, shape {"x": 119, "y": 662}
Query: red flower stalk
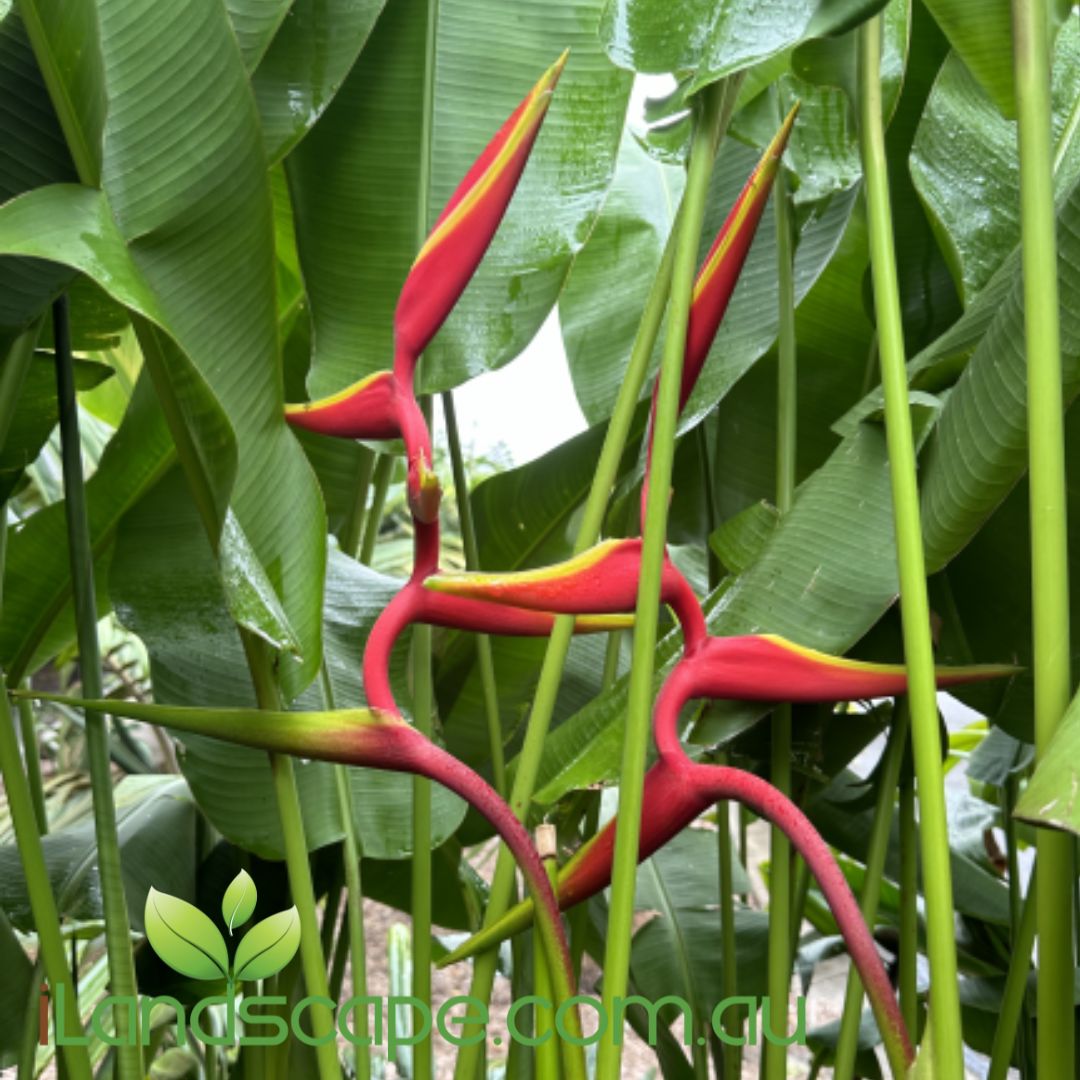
{"x": 383, "y": 405}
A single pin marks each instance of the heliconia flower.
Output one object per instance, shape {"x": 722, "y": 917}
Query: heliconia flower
{"x": 464, "y": 229}
{"x": 603, "y": 579}
{"x": 369, "y": 737}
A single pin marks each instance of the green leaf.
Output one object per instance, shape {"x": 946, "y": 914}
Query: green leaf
{"x": 185, "y": 938}
{"x": 964, "y": 163}
{"x": 302, "y": 68}
{"x": 268, "y": 946}
{"x": 255, "y": 22}
{"x": 360, "y": 240}
{"x": 239, "y": 900}
{"x": 176, "y": 1063}
{"x": 16, "y": 994}
{"x": 1050, "y": 798}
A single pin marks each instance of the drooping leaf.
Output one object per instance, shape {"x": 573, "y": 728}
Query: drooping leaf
{"x": 184, "y": 937}
{"x": 16, "y": 991}
{"x": 268, "y": 946}
{"x": 239, "y": 900}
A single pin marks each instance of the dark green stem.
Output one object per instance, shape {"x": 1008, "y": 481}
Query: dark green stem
{"x": 914, "y": 604}
{"x": 114, "y": 904}
{"x": 352, "y": 528}
{"x": 485, "y": 659}
{"x": 1049, "y": 526}
{"x": 384, "y": 469}
{"x": 639, "y": 701}
{"x": 877, "y": 850}
{"x": 32, "y": 757}
{"x": 1010, "y": 1008}
{"x": 909, "y": 911}
{"x": 547, "y": 1053}
{"x": 729, "y": 972}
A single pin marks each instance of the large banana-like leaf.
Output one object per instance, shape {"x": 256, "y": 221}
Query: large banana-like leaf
{"x": 168, "y": 589}
{"x": 182, "y": 232}
{"x": 964, "y": 162}
{"x": 362, "y": 207}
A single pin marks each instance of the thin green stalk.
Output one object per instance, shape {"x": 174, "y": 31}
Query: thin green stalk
{"x": 297, "y": 865}
{"x": 745, "y": 818}
{"x": 639, "y": 702}
{"x": 354, "y": 896}
{"x": 612, "y": 652}
{"x": 877, "y": 849}
{"x": 528, "y": 765}
{"x": 1049, "y": 525}
{"x": 114, "y": 905}
{"x": 32, "y": 755}
{"x": 579, "y": 916}
{"x": 729, "y": 973}
{"x": 1008, "y": 1024}
{"x": 547, "y": 1053}
{"x": 352, "y": 528}
{"x": 779, "y": 964}
{"x": 384, "y": 469}
{"x": 914, "y": 605}
{"x": 907, "y": 966}
{"x": 800, "y": 890}
{"x": 484, "y": 657}
{"x": 38, "y": 887}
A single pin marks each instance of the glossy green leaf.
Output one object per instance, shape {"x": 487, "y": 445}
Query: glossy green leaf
{"x": 239, "y": 900}
{"x": 1050, "y": 798}
{"x": 16, "y": 994}
{"x": 268, "y": 946}
{"x": 255, "y": 22}
{"x": 303, "y": 66}
{"x": 167, "y": 588}
{"x": 184, "y": 937}
{"x": 964, "y": 162}
{"x": 359, "y": 240}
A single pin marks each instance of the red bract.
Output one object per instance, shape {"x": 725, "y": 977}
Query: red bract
{"x": 383, "y": 406}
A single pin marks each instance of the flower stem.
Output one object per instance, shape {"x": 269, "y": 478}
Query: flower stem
{"x": 915, "y": 608}
{"x": 732, "y": 1052}
{"x": 384, "y": 468}
{"x": 1049, "y": 536}
{"x": 907, "y": 965}
{"x": 1012, "y": 997}
{"x": 779, "y": 963}
{"x": 114, "y": 904}
{"x": 528, "y": 765}
{"x": 877, "y": 849}
{"x": 352, "y": 529}
{"x": 632, "y": 773}
{"x": 547, "y": 1053}
{"x": 297, "y": 865}
{"x": 31, "y": 755}
{"x": 484, "y": 657}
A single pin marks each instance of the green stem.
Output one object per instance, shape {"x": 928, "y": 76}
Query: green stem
{"x": 876, "y": 852}
{"x": 384, "y": 469}
{"x": 729, "y": 972}
{"x": 484, "y": 657}
{"x": 909, "y": 911}
{"x": 354, "y": 894}
{"x": 579, "y": 915}
{"x": 114, "y": 904}
{"x": 352, "y": 528}
{"x": 639, "y": 703}
{"x": 297, "y": 864}
{"x": 32, "y": 757}
{"x": 1049, "y": 535}
{"x": 547, "y": 1053}
{"x": 38, "y": 887}
{"x": 528, "y": 764}
{"x": 779, "y": 975}
{"x": 1011, "y": 1006}
{"x": 914, "y": 605}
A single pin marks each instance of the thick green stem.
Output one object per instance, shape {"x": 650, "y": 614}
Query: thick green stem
{"x": 547, "y": 1053}
{"x": 297, "y": 865}
{"x": 38, "y": 887}
{"x": 528, "y": 765}
{"x": 1049, "y": 526}
{"x": 114, "y": 905}
{"x": 780, "y": 745}
{"x": 909, "y": 912}
{"x": 485, "y": 659}
{"x": 914, "y": 605}
{"x": 384, "y": 469}
{"x": 876, "y": 852}
{"x": 1011, "y": 1006}
{"x": 352, "y": 528}
{"x": 654, "y": 541}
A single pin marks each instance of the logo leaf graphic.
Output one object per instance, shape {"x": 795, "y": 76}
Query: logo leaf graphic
{"x": 184, "y": 937}
{"x": 239, "y": 900}
{"x": 268, "y": 946}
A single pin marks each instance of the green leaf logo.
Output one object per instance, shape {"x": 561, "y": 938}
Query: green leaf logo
{"x": 268, "y": 946}
{"x": 239, "y": 900}
{"x": 184, "y": 937}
